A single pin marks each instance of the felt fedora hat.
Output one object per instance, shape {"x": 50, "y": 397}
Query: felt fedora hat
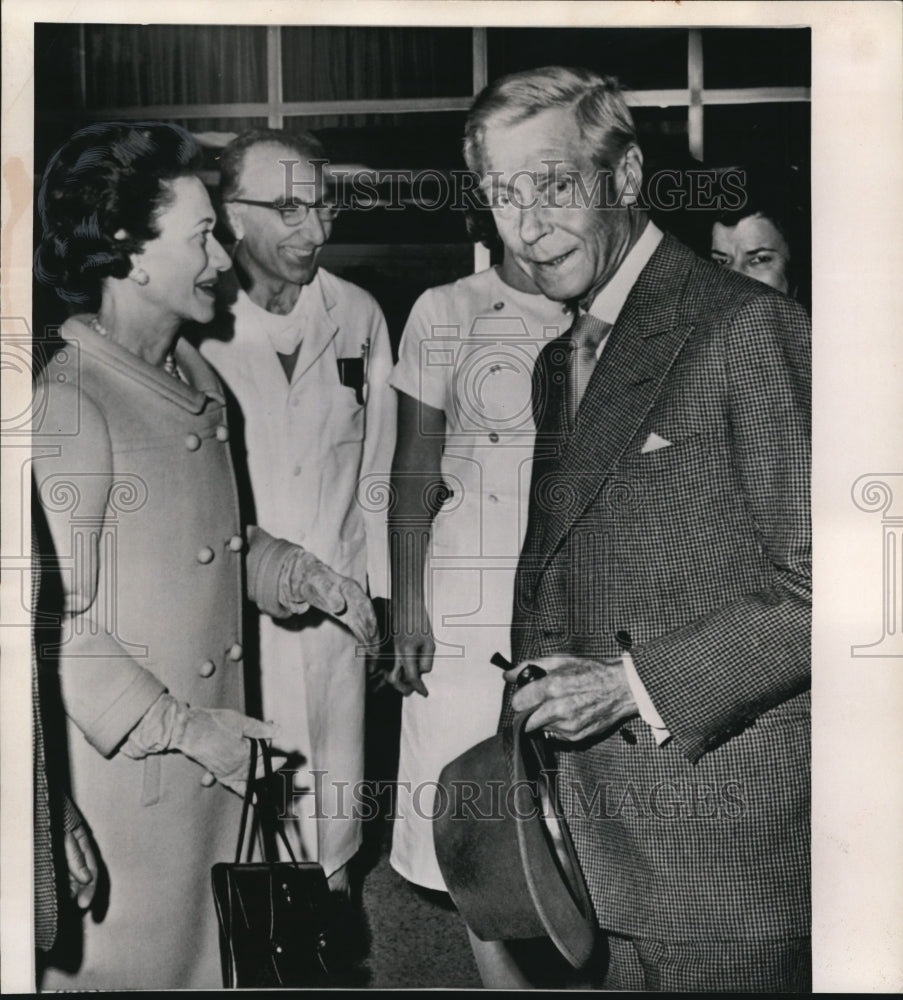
{"x": 504, "y": 848}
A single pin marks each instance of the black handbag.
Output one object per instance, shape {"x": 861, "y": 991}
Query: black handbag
{"x": 272, "y": 914}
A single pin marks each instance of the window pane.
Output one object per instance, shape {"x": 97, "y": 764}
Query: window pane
{"x": 130, "y": 65}
{"x": 57, "y": 67}
{"x": 417, "y": 166}
{"x": 770, "y": 134}
{"x": 357, "y": 63}
{"x": 642, "y": 58}
{"x": 757, "y": 57}
{"x": 411, "y": 140}
{"x": 662, "y": 132}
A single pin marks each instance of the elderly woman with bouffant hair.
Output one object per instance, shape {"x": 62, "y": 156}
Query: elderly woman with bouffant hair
{"x": 133, "y": 471}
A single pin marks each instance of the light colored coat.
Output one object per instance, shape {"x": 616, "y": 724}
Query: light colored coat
{"x": 133, "y": 471}
{"x": 319, "y": 464}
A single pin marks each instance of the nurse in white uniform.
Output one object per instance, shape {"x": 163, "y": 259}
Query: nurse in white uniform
{"x": 465, "y": 444}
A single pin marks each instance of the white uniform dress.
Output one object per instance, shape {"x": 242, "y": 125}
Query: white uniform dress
{"x": 319, "y": 462}
{"x": 468, "y": 349}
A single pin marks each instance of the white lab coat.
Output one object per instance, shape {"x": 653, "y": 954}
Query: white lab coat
{"x": 468, "y": 349}
{"x": 319, "y": 462}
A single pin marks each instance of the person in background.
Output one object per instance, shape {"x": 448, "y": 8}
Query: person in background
{"x": 56, "y": 817}
{"x": 133, "y": 472}
{"x": 664, "y": 584}
{"x": 767, "y": 237}
{"x": 460, "y": 483}
{"x": 307, "y": 363}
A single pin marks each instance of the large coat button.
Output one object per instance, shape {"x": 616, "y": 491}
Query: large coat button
{"x": 236, "y": 543}
{"x": 192, "y": 442}
{"x": 208, "y": 780}
{"x": 208, "y": 668}
{"x": 222, "y": 433}
{"x": 205, "y": 555}
{"x": 236, "y": 652}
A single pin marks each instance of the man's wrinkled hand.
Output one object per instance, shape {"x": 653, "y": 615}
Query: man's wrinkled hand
{"x": 578, "y": 697}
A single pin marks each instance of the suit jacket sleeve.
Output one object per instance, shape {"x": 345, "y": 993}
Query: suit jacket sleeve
{"x": 105, "y": 691}
{"x": 379, "y": 446}
{"x": 715, "y": 676}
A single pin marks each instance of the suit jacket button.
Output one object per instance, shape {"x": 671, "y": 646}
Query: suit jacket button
{"x": 192, "y": 442}
{"x": 208, "y": 668}
{"x": 236, "y": 652}
{"x": 205, "y": 555}
{"x": 622, "y": 637}
{"x": 222, "y": 433}
{"x": 236, "y": 543}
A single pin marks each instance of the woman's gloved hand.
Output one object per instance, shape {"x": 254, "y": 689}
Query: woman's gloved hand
{"x": 305, "y": 580}
{"x": 215, "y": 738}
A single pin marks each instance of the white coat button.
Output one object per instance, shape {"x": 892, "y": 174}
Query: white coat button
{"x": 192, "y": 442}
{"x": 493, "y": 498}
{"x": 205, "y": 555}
{"x": 208, "y": 780}
{"x": 236, "y": 543}
{"x": 222, "y": 433}
{"x": 493, "y": 437}
{"x": 208, "y": 668}
{"x": 236, "y": 652}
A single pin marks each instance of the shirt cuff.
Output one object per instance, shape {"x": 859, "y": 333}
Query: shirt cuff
{"x": 647, "y": 710}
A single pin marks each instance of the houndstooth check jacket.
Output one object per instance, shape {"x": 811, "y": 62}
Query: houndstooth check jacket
{"x": 698, "y": 554}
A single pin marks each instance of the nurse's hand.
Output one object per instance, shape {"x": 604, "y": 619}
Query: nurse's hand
{"x": 414, "y": 648}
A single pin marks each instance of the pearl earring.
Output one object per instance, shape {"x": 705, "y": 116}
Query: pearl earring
{"x": 139, "y": 276}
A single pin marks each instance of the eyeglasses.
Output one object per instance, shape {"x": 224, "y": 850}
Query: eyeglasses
{"x": 294, "y": 212}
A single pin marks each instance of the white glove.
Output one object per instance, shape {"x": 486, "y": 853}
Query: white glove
{"x": 215, "y": 738}
{"x": 304, "y": 580}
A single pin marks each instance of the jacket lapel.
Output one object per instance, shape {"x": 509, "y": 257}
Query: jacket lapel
{"x": 628, "y": 377}
{"x": 321, "y": 330}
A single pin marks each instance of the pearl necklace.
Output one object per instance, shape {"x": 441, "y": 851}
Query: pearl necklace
{"x": 169, "y": 362}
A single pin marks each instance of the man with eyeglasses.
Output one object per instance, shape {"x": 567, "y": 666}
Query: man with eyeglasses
{"x": 308, "y": 363}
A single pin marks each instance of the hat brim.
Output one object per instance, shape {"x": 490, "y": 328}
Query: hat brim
{"x": 512, "y": 870}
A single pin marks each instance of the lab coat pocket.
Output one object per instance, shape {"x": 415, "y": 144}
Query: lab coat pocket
{"x": 346, "y": 415}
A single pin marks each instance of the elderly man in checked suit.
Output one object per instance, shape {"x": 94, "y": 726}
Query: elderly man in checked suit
{"x": 664, "y": 583}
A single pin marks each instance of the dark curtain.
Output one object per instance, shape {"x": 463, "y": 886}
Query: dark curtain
{"x": 135, "y": 65}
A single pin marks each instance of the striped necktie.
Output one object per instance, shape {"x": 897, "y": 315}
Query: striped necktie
{"x": 586, "y": 335}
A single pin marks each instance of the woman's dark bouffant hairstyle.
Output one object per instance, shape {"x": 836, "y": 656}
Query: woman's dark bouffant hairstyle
{"x": 109, "y": 177}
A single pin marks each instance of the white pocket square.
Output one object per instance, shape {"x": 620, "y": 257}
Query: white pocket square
{"x": 654, "y": 443}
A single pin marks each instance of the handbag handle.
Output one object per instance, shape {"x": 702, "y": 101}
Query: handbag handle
{"x": 253, "y": 796}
